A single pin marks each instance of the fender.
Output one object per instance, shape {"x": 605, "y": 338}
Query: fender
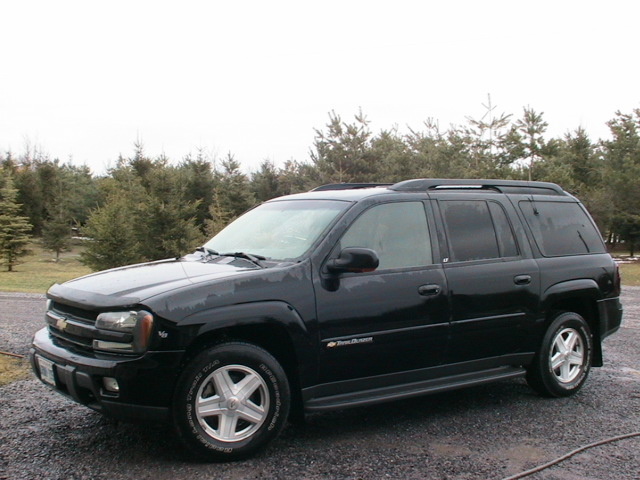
{"x": 275, "y": 313}
{"x": 569, "y": 289}
{"x": 579, "y": 288}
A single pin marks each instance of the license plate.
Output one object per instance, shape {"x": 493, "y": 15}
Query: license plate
{"x": 46, "y": 371}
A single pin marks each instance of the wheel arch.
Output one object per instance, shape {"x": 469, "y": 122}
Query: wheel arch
{"x": 273, "y": 326}
{"x": 581, "y": 297}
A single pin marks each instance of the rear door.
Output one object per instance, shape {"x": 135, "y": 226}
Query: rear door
{"x": 493, "y": 281}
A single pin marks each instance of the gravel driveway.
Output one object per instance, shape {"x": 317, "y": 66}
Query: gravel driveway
{"x": 484, "y": 432}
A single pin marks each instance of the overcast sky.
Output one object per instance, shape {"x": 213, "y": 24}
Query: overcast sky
{"x": 82, "y": 80}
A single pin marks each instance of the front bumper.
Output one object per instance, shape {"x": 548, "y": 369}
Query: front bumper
{"x": 146, "y": 383}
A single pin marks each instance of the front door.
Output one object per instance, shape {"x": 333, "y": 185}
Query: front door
{"x": 394, "y": 319}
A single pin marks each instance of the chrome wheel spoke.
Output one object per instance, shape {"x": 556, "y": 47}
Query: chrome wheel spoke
{"x": 571, "y": 341}
{"x": 223, "y": 383}
{"x": 251, "y": 412}
{"x": 565, "y": 371}
{"x": 556, "y": 362}
{"x": 227, "y": 427}
{"x": 576, "y": 358}
{"x": 559, "y": 345}
{"x": 247, "y": 386}
{"x": 209, "y": 406}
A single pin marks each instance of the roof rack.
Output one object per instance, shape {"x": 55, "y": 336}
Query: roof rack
{"x": 502, "y": 186}
{"x": 349, "y": 186}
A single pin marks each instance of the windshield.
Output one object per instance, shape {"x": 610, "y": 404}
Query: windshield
{"x": 278, "y": 230}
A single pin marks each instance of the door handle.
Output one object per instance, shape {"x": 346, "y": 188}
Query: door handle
{"x": 522, "y": 279}
{"x": 429, "y": 290}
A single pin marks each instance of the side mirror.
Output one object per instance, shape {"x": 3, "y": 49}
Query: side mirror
{"x": 356, "y": 260}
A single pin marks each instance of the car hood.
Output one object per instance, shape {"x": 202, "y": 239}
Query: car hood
{"x": 131, "y": 285}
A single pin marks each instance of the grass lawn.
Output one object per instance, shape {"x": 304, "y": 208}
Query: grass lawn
{"x": 12, "y": 369}
{"x": 630, "y": 273}
{"x": 38, "y": 270}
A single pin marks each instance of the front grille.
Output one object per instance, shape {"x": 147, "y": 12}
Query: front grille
{"x": 75, "y": 328}
{"x": 65, "y": 338}
{"x": 69, "y": 329}
{"x": 81, "y": 314}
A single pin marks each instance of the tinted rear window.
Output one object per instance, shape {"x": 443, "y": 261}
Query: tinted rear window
{"x": 470, "y": 230}
{"x": 561, "y": 228}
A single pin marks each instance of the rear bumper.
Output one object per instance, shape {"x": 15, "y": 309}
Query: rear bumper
{"x": 146, "y": 383}
{"x": 610, "y": 310}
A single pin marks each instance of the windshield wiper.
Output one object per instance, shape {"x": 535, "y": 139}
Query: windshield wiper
{"x": 256, "y": 259}
{"x": 247, "y": 256}
{"x": 206, "y": 250}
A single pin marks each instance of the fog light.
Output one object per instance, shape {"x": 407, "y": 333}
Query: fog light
{"x": 110, "y": 384}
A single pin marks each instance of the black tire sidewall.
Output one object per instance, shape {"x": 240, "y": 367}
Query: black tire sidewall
{"x": 199, "y": 369}
{"x": 546, "y": 378}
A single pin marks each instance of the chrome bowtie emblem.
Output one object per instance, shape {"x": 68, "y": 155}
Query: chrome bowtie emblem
{"x": 61, "y": 323}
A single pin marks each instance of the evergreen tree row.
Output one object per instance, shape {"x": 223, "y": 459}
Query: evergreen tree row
{"x": 151, "y": 208}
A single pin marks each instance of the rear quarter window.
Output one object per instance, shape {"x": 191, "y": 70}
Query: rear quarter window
{"x": 561, "y": 228}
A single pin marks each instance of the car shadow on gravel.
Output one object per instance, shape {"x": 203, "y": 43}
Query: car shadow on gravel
{"x": 401, "y": 423}
{"x": 415, "y": 410}
{"x": 159, "y": 441}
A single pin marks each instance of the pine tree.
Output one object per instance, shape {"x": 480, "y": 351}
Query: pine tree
{"x": 622, "y": 156}
{"x": 233, "y": 189}
{"x": 491, "y": 145}
{"x": 112, "y": 230}
{"x": 199, "y": 185}
{"x": 220, "y": 216}
{"x": 264, "y": 182}
{"x": 170, "y": 223}
{"x": 14, "y": 228}
{"x": 166, "y": 214}
{"x": 343, "y": 153}
{"x": 64, "y": 198}
{"x": 56, "y": 234}
{"x": 532, "y": 127}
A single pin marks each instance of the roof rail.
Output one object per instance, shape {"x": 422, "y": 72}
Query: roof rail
{"x": 349, "y": 186}
{"x": 503, "y": 186}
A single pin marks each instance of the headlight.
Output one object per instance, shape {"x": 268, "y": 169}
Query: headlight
{"x": 138, "y": 324}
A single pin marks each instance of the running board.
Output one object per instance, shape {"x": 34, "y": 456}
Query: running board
{"x": 399, "y": 392}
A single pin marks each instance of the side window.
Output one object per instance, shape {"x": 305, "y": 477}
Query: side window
{"x": 506, "y": 240}
{"x": 398, "y": 233}
{"x": 470, "y": 230}
{"x": 561, "y": 228}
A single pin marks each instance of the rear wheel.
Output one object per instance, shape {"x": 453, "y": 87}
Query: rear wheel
{"x": 562, "y": 365}
{"x": 231, "y": 401}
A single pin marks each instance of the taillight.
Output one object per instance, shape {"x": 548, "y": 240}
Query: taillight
{"x": 617, "y": 280}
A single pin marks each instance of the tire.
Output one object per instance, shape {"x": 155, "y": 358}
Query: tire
{"x": 562, "y": 364}
{"x": 231, "y": 401}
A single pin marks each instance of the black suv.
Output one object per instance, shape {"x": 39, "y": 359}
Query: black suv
{"x": 344, "y": 296}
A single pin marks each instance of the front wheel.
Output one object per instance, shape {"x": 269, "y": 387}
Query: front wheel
{"x": 231, "y": 400}
{"x": 562, "y": 365}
